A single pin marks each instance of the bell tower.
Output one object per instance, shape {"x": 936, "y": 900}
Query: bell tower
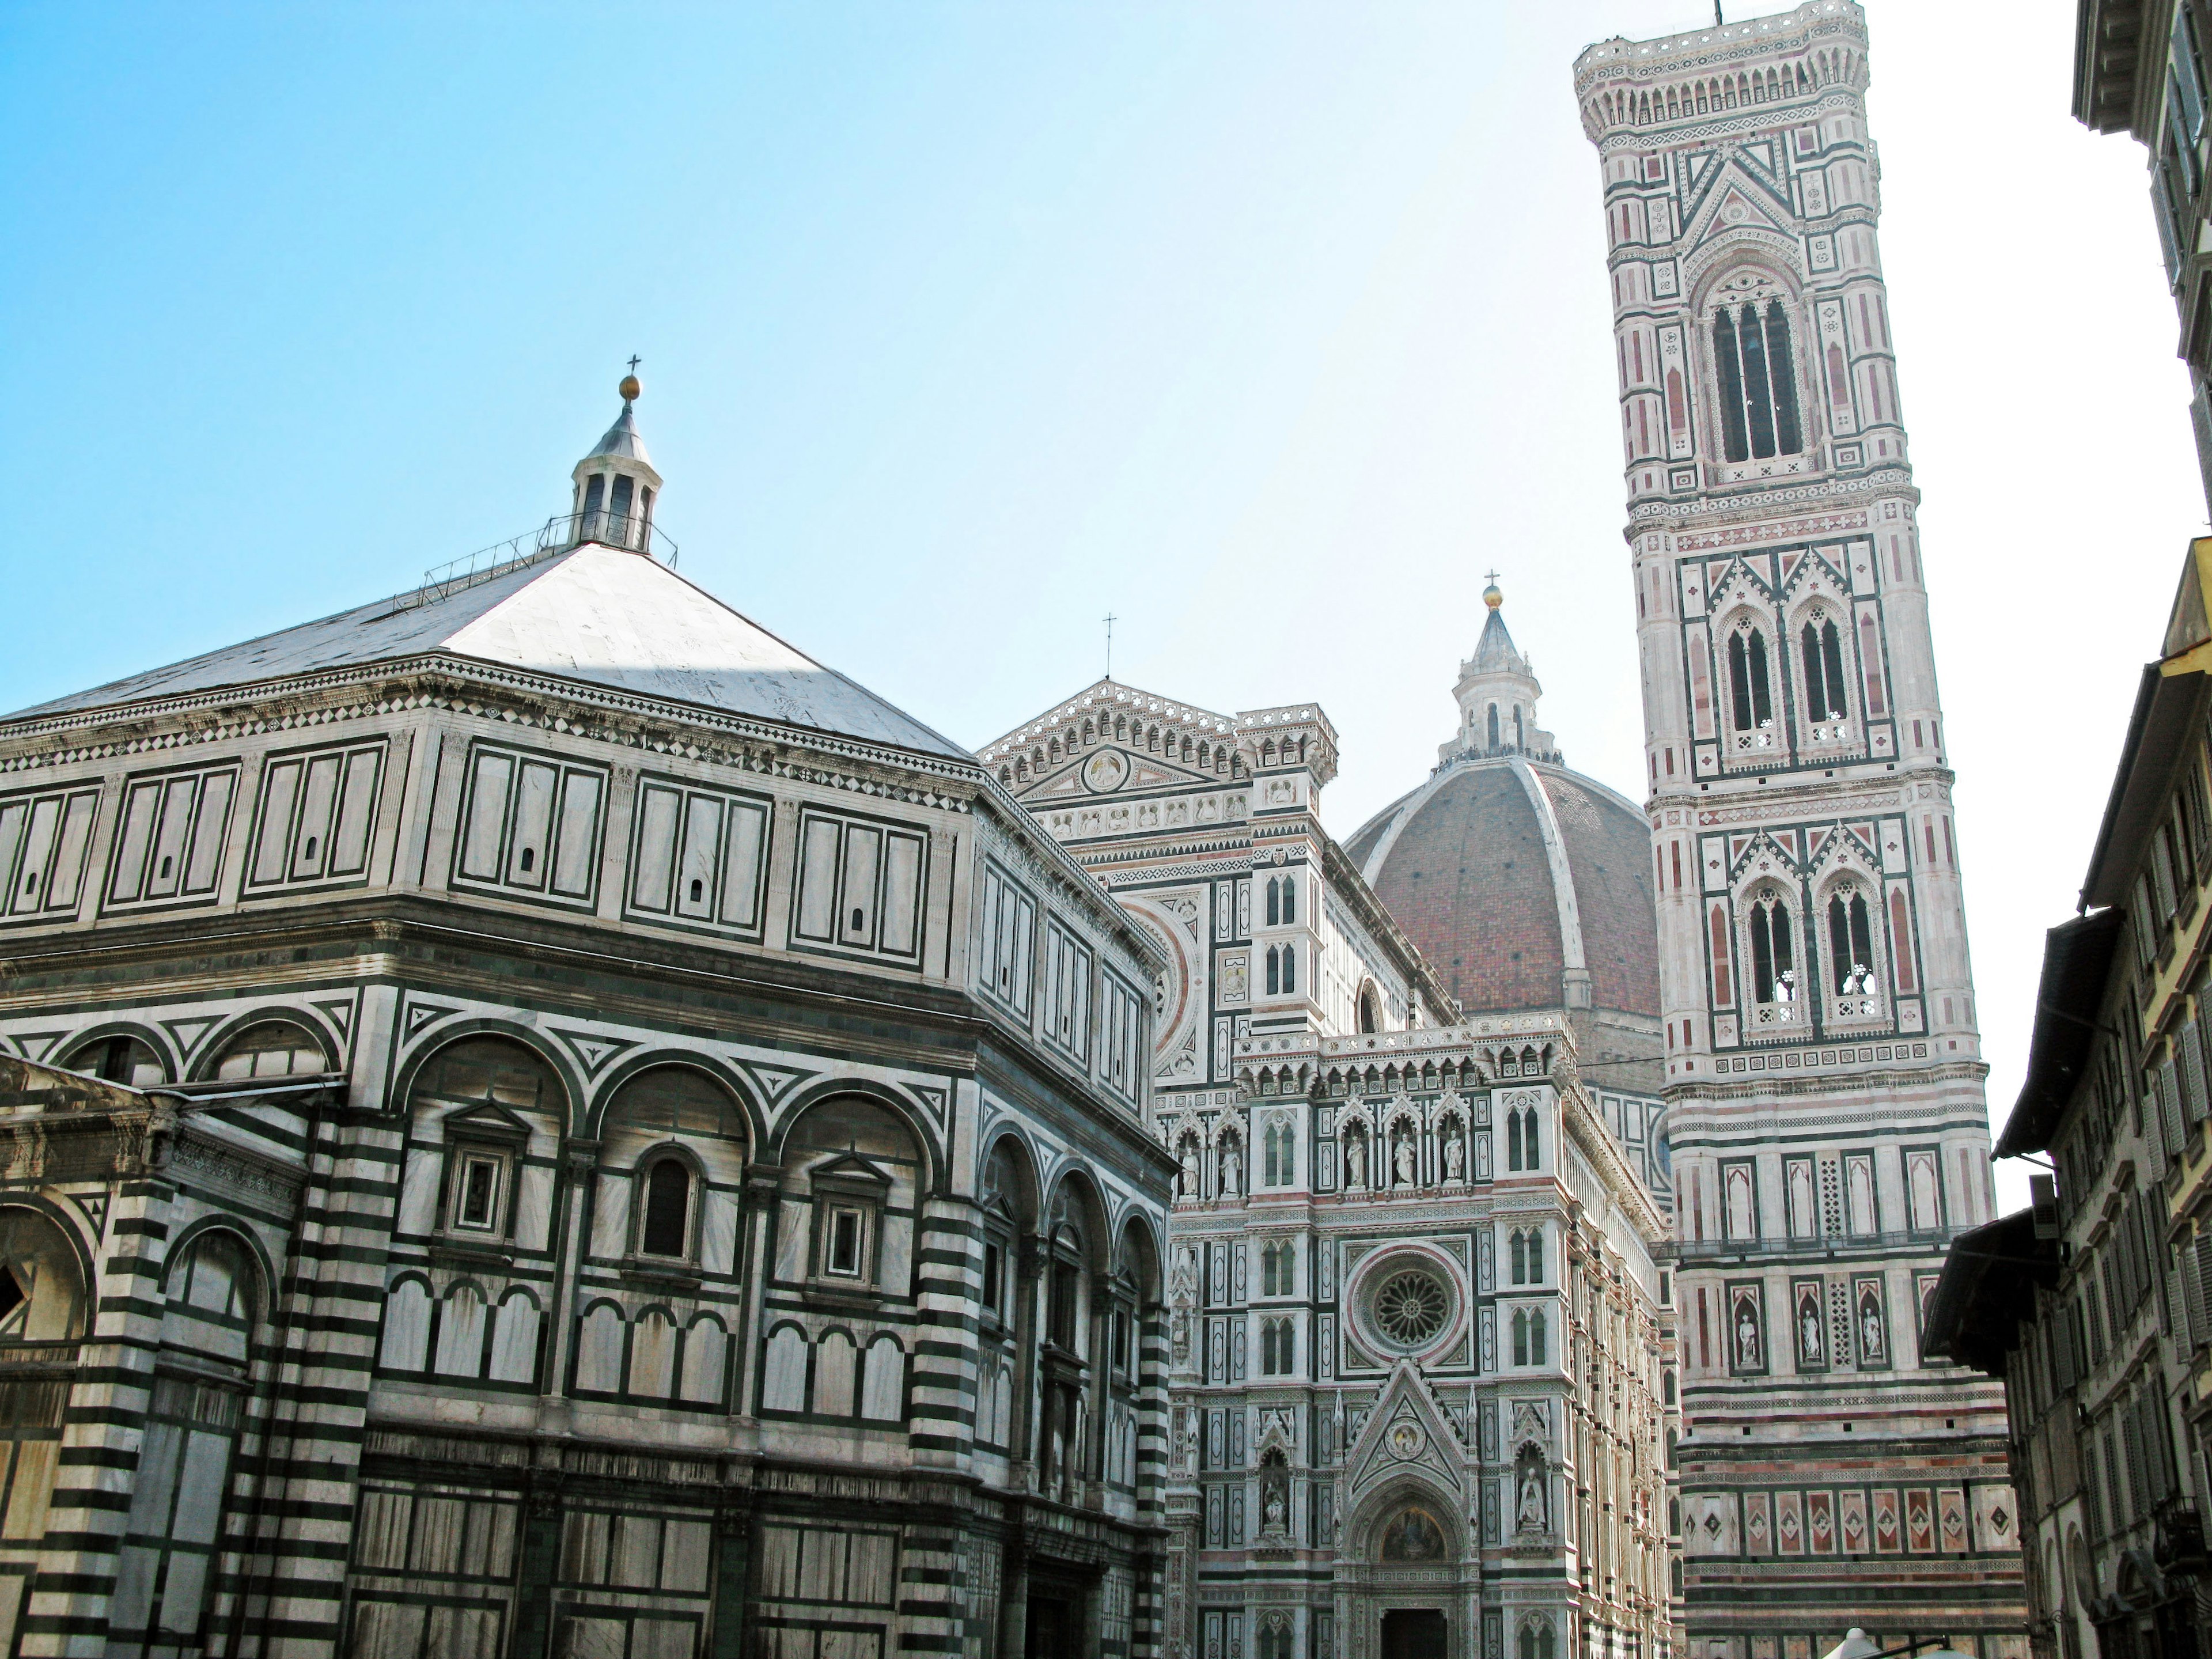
{"x": 1824, "y": 1069}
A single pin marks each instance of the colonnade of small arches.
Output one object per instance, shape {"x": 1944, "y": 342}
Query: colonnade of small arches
{"x": 1713, "y": 94}
{"x": 1207, "y": 752}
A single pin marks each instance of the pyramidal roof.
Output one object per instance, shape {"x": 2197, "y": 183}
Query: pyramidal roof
{"x": 594, "y": 614}
{"x": 1495, "y": 652}
{"x": 621, "y": 439}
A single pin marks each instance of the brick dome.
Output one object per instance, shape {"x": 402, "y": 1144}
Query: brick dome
{"x": 1525, "y": 885}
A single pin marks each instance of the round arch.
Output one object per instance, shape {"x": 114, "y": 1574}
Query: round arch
{"x": 264, "y": 1268}
{"x": 1016, "y": 1179}
{"x": 1387, "y": 1526}
{"x": 722, "y": 1075}
{"x": 208, "y": 1053}
{"x": 158, "y": 1041}
{"x": 408, "y": 1072}
{"x": 933, "y": 1180}
{"x": 46, "y": 1223}
{"x": 1075, "y": 1194}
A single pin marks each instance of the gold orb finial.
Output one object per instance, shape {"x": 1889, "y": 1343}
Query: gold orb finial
{"x": 1491, "y": 597}
{"x": 629, "y": 388}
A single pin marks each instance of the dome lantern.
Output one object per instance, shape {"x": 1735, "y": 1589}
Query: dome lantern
{"x": 616, "y": 486}
{"x": 1496, "y": 694}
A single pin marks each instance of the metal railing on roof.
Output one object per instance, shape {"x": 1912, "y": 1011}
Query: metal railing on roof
{"x": 559, "y": 534}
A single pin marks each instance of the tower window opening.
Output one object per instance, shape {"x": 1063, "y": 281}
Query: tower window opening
{"x": 1752, "y": 698}
{"x": 1823, "y": 649}
{"x": 1851, "y": 943}
{"x": 1756, "y": 378}
{"x": 1493, "y": 725}
{"x": 618, "y": 507}
{"x": 1290, "y": 900}
{"x": 1520, "y": 738}
{"x": 1773, "y": 961}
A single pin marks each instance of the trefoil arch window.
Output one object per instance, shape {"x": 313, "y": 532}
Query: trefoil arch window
{"x": 1290, "y": 900}
{"x": 1275, "y": 902}
{"x": 1274, "y": 971}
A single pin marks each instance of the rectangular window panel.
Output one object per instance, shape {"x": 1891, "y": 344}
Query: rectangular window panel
{"x": 818, "y": 839}
{"x": 652, "y": 857}
{"x": 527, "y": 854}
{"x": 860, "y": 886}
{"x": 43, "y": 838}
{"x": 696, "y": 863}
{"x": 174, "y": 831}
{"x": 903, "y": 861}
{"x": 743, "y": 864}
{"x": 315, "y": 818}
{"x": 486, "y": 831}
{"x": 576, "y": 849}
{"x": 531, "y": 828}
{"x": 856, "y": 922}
{"x": 1008, "y": 915}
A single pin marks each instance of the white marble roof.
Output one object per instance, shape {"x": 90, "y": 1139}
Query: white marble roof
{"x": 596, "y": 614}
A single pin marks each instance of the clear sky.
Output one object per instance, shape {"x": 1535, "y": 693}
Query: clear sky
{"x": 1268, "y": 327}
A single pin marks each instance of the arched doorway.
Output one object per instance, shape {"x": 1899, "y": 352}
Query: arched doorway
{"x": 1406, "y": 1581}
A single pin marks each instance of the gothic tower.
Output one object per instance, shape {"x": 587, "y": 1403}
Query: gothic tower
{"x": 1824, "y": 1072}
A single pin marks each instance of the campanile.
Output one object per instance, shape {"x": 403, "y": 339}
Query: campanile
{"x": 1824, "y": 1069}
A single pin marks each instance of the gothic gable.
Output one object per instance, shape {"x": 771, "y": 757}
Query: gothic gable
{"x": 1407, "y": 1433}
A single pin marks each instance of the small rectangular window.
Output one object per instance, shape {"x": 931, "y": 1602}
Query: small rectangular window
{"x": 845, "y": 1243}
{"x": 479, "y": 1205}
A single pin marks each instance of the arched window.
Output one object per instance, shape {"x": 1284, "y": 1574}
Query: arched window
{"x": 273, "y": 1049}
{"x": 1369, "y": 1020}
{"x": 1520, "y": 1336}
{"x": 1756, "y": 380}
{"x": 1520, "y": 740}
{"x": 1531, "y": 1157}
{"x": 1493, "y": 725}
{"x": 1275, "y": 901}
{"x": 665, "y": 1225}
{"x": 1850, "y": 943}
{"x": 1290, "y": 969}
{"x": 1514, "y": 1250}
{"x": 1773, "y": 958}
{"x": 1823, "y": 650}
{"x": 1535, "y": 1251}
{"x": 1281, "y": 1165}
{"x": 1290, "y": 900}
{"x": 1751, "y": 696}
{"x": 1667, "y": 1391}
{"x": 1536, "y": 1337}
{"x": 1274, "y": 971}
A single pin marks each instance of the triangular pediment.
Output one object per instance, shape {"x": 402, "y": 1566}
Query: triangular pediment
{"x": 490, "y": 1119}
{"x": 1407, "y": 1433}
{"x": 1738, "y": 199}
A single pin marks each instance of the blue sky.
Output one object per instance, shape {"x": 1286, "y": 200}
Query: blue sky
{"x": 1268, "y": 327}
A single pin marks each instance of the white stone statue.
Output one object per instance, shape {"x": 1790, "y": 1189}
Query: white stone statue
{"x": 1275, "y": 1512}
{"x": 1188, "y": 1182}
{"x": 1809, "y": 1334}
{"x": 1870, "y": 1332}
{"x": 1355, "y": 1160}
{"x": 1233, "y": 1171}
{"x": 1746, "y": 1339}
{"x": 1530, "y": 1514}
{"x": 1455, "y": 1157}
{"x": 1404, "y": 1160}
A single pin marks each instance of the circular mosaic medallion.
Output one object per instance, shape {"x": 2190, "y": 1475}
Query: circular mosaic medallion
{"x": 1407, "y": 1440}
{"x": 1105, "y": 771}
{"x": 1410, "y": 1307}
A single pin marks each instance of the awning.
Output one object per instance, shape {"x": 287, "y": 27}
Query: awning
{"x": 1987, "y": 1290}
{"x": 2077, "y": 958}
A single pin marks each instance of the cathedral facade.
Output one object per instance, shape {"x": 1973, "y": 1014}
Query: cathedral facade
{"x": 1824, "y": 1081}
{"x": 1420, "y": 1378}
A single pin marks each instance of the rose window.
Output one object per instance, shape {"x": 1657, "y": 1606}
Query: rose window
{"x": 1410, "y": 1307}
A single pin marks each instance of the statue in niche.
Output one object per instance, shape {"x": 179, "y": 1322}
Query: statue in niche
{"x": 1412, "y": 1535}
{"x": 1232, "y": 1169}
{"x": 1871, "y": 1329}
{"x": 1455, "y": 1156}
{"x": 1406, "y": 1167}
{"x": 1187, "y": 1183}
{"x": 1274, "y": 1495}
{"x": 1809, "y": 1331}
{"x": 1529, "y": 1513}
{"x": 1746, "y": 1334}
{"x": 1355, "y": 1159}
